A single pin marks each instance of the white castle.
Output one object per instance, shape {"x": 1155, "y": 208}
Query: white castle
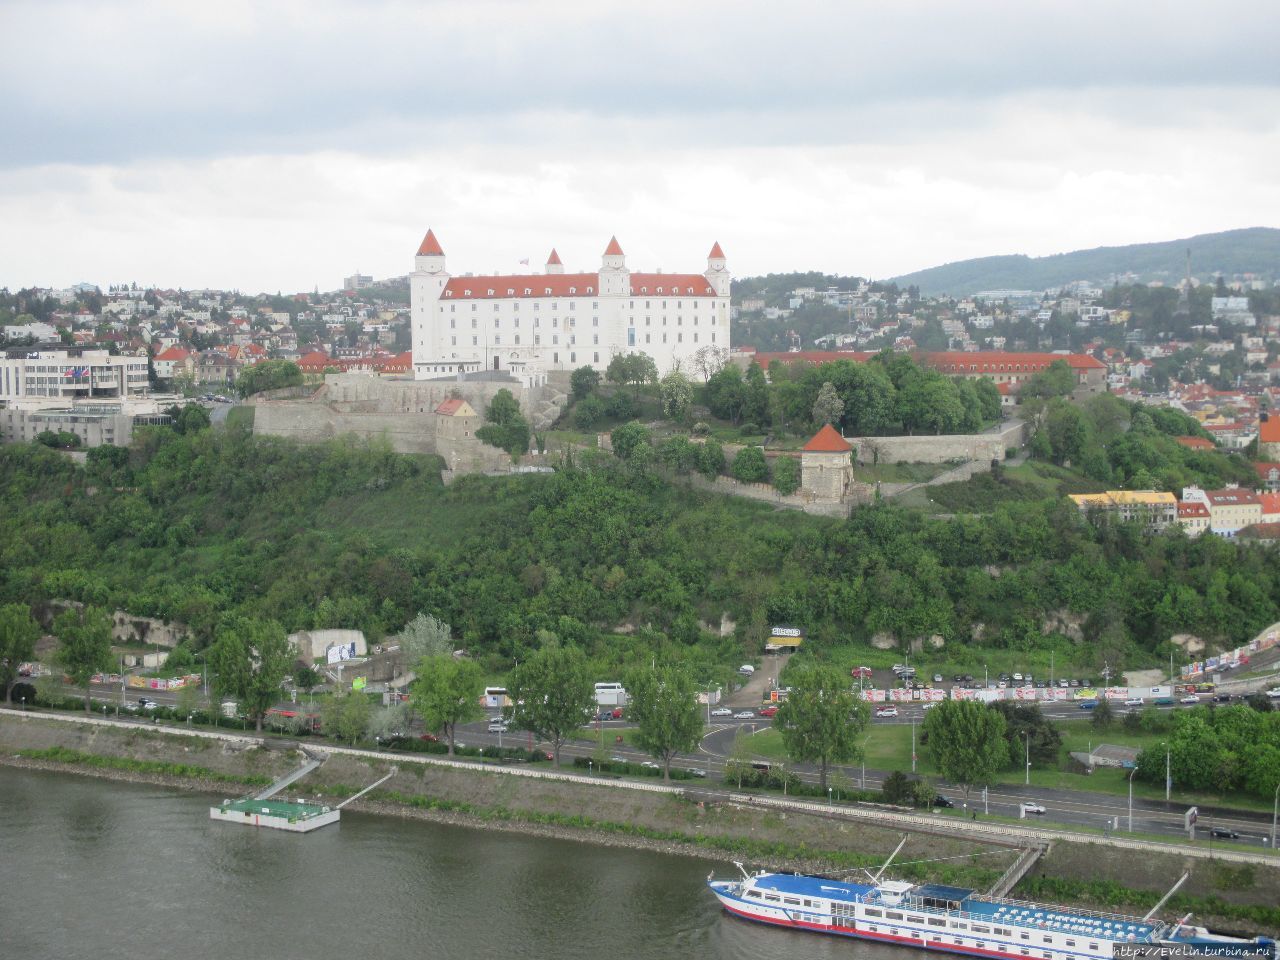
{"x": 528, "y": 324}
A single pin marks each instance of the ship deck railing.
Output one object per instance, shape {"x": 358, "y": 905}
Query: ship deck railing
{"x": 1152, "y": 931}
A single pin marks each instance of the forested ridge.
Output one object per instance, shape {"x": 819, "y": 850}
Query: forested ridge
{"x": 206, "y": 524}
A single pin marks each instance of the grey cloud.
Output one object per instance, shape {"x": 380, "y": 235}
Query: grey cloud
{"x": 114, "y": 82}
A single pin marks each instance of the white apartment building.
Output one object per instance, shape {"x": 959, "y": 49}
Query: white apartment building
{"x": 70, "y": 374}
{"x": 529, "y": 324}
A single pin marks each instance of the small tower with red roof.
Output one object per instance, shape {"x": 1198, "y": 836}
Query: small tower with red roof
{"x": 826, "y": 465}
{"x": 615, "y": 278}
{"x": 717, "y": 271}
{"x": 553, "y": 263}
{"x": 426, "y": 285}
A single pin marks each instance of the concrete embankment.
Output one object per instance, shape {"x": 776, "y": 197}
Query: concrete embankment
{"x": 534, "y": 799}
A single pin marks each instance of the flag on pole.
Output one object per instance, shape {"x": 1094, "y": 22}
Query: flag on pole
{"x": 525, "y": 261}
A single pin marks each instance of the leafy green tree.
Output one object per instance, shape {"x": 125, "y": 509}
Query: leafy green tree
{"x": 828, "y": 407}
{"x": 966, "y": 741}
{"x": 85, "y": 647}
{"x": 634, "y": 368}
{"x": 386, "y": 723}
{"x": 726, "y": 393}
{"x": 1026, "y": 724}
{"x": 306, "y": 678}
{"x": 898, "y": 788}
{"x": 249, "y": 658}
{"x": 988, "y": 397}
{"x": 679, "y": 453}
{"x": 621, "y": 406}
{"x": 711, "y": 459}
{"x": 268, "y": 375}
{"x": 755, "y": 396}
{"x": 189, "y": 418}
{"x": 505, "y": 428}
{"x": 446, "y": 693}
{"x": 583, "y": 382}
{"x": 553, "y": 693}
{"x": 821, "y": 719}
{"x": 676, "y": 392}
{"x": 588, "y": 412}
{"x": 18, "y": 635}
{"x": 750, "y": 466}
{"x": 786, "y": 475}
{"x": 627, "y": 438}
{"x": 345, "y": 715}
{"x": 1056, "y": 380}
{"x": 1103, "y": 715}
{"x": 424, "y": 636}
{"x": 664, "y": 706}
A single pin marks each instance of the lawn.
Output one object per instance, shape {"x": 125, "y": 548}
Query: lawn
{"x": 899, "y": 472}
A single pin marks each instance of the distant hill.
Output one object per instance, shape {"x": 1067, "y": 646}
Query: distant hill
{"x": 1252, "y": 250}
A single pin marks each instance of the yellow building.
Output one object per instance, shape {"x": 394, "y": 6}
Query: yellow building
{"x": 1152, "y": 507}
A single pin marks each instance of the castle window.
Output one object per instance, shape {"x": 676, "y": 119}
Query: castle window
{"x": 475, "y": 342}
{"x": 473, "y": 307}
{"x": 537, "y": 339}
{"x": 631, "y": 336}
{"x": 453, "y": 307}
{"x": 466, "y": 293}
{"x": 473, "y": 323}
{"x": 597, "y": 359}
{"x": 454, "y": 342}
{"x": 517, "y": 339}
{"x": 527, "y": 291}
{"x": 664, "y": 338}
{"x": 497, "y": 340}
{"x": 596, "y": 305}
{"x": 516, "y": 306}
{"x": 547, "y": 291}
{"x": 497, "y": 323}
{"x": 453, "y": 323}
{"x": 496, "y": 306}
{"x": 573, "y": 290}
{"x": 595, "y": 321}
{"x": 555, "y": 338}
{"x": 590, "y": 290}
{"x": 679, "y": 338}
{"x": 659, "y": 291}
{"x": 573, "y": 358}
{"x": 695, "y": 336}
{"x": 510, "y": 292}
{"x": 448, "y": 293}
{"x": 646, "y": 338}
{"x": 595, "y": 338}
{"x": 491, "y": 293}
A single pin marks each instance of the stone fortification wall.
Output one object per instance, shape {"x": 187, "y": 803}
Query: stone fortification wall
{"x": 402, "y": 411}
{"x": 987, "y": 446}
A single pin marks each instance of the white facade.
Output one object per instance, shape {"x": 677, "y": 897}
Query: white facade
{"x": 529, "y": 324}
{"x": 71, "y": 374}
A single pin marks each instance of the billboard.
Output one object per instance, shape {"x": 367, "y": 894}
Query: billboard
{"x": 339, "y": 652}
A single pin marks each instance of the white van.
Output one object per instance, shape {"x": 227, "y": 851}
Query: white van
{"x": 746, "y": 669}
{"x": 497, "y": 725}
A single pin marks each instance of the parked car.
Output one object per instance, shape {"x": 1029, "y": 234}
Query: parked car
{"x": 958, "y": 678}
{"x": 1075, "y": 683}
{"x": 1189, "y": 699}
{"x": 744, "y": 715}
{"x": 1274, "y": 693}
{"x": 1134, "y": 702}
{"x": 650, "y": 765}
{"x": 695, "y": 771}
{"x": 1064, "y": 682}
{"x": 930, "y": 705}
{"x": 1223, "y": 833}
{"x": 146, "y": 703}
{"x": 886, "y": 711}
{"x": 618, "y": 760}
{"x": 498, "y": 726}
{"x": 1032, "y": 806}
{"x": 746, "y": 669}
{"x": 941, "y": 801}
{"x": 768, "y": 711}
{"x": 1005, "y": 677}
{"x": 863, "y": 672}
{"x": 937, "y": 678}
{"x": 1222, "y": 698}
{"x": 1017, "y": 678}
{"x": 722, "y": 712}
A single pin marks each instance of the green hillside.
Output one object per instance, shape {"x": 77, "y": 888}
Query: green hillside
{"x": 1253, "y": 250}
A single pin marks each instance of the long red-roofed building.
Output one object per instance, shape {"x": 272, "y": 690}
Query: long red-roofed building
{"x": 531, "y": 323}
{"x": 1003, "y": 367}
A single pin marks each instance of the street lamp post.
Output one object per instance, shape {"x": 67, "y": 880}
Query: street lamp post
{"x": 1275, "y": 806}
{"x": 913, "y": 745}
{"x": 1027, "y": 737}
{"x": 1131, "y": 773}
{"x": 1168, "y": 780}
{"x": 984, "y": 676}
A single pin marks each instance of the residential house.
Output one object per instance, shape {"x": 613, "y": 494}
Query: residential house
{"x": 1193, "y": 517}
{"x": 1230, "y": 509}
{"x": 1155, "y": 508}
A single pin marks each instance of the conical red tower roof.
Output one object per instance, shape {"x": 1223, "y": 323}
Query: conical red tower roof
{"x": 716, "y": 253}
{"x": 613, "y": 250}
{"x": 430, "y": 246}
{"x": 827, "y": 440}
{"x": 554, "y": 259}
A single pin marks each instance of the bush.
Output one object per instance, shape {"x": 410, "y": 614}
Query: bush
{"x": 589, "y": 413}
{"x": 786, "y": 475}
{"x": 621, "y": 406}
{"x": 749, "y": 466}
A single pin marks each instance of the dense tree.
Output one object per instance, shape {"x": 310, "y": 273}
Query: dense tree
{"x": 676, "y": 393}
{"x": 248, "y": 660}
{"x": 726, "y": 393}
{"x": 505, "y": 427}
{"x": 750, "y": 466}
{"x": 633, "y": 368}
{"x": 755, "y": 396}
{"x": 583, "y": 382}
{"x": 424, "y": 636}
{"x": 1056, "y": 380}
{"x": 85, "y": 645}
{"x": 821, "y": 720}
{"x": 18, "y": 635}
{"x": 553, "y": 693}
{"x": 1028, "y": 729}
{"x": 268, "y": 375}
{"x": 967, "y": 742}
{"x": 628, "y": 437}
{"x": 664, "y": 706}
{"x": 345, "y": 715}
{"x": 588, "y": 413}
{"x": 711, "y": 460}
{"x": 786, "y": 475}
{"x": 828, "y": 407}
{"x": 446, "y": 693}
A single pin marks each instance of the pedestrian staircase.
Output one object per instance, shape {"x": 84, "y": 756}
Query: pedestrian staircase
{"x": 310, "y": 764}
{"x": 1018, "y": 869}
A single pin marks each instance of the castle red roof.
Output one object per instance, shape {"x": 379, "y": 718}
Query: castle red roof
{"x": 554, "y": 259}
{"x": 998, "y": 361}
{"x": 1196, "y": 443}
{"x": 716, "y": 253}
{"x": 572, "y": 285}
{"x": 1269, "y": 429}
{"x": 451, "y": 406}
{"x": 827, "y": 440}
{"x": 613, "y": 249}
{"x": 430, "y": 246}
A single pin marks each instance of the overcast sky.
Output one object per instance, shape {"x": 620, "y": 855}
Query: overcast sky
{"x": 282, "y": 146}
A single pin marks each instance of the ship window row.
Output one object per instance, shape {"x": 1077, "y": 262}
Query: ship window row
{"x": 791, "y": 901}
{"x": 870, "y": 912}
{"x": 772, "y": 898}
{"x": 937, "y": 922}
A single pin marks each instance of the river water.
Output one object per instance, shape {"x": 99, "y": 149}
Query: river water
{"x": 94, "y": 868}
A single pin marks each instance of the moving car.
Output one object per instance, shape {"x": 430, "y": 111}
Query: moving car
{"x": 1134, "y": 702}
{"x": 1223, "y": 833}
{"x": 1222, "y": 698}
{"x": 1274, "y": 693}
{"x": 1190, "y": 698}
{"x": 941, "y": 801}
{"x": 746, "y": 669}
{"x": 722, "y": 712}
{"x": 498, "y": 725}
{"x": 146, "y": 703}
{"x": 744, "y": 715}
{"x": 768, "y": 711}
{"x": 1032, "y": 806}
{"x": 1088, "y": 704}
{"x": 930, "y": 705}
{"x": 1163, "y": 701}
{"x": 695, "y": 771}
{"x": 886, "y": 711}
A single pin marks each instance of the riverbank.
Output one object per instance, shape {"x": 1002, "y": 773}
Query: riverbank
{"x": 691, "y": 823}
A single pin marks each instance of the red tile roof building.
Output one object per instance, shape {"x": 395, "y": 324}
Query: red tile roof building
{"x": 1269, "y": 437}
{"x": 529, "y": 324}
{"x": 1196, "y": 443}
{"x": 826, "y": 465}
